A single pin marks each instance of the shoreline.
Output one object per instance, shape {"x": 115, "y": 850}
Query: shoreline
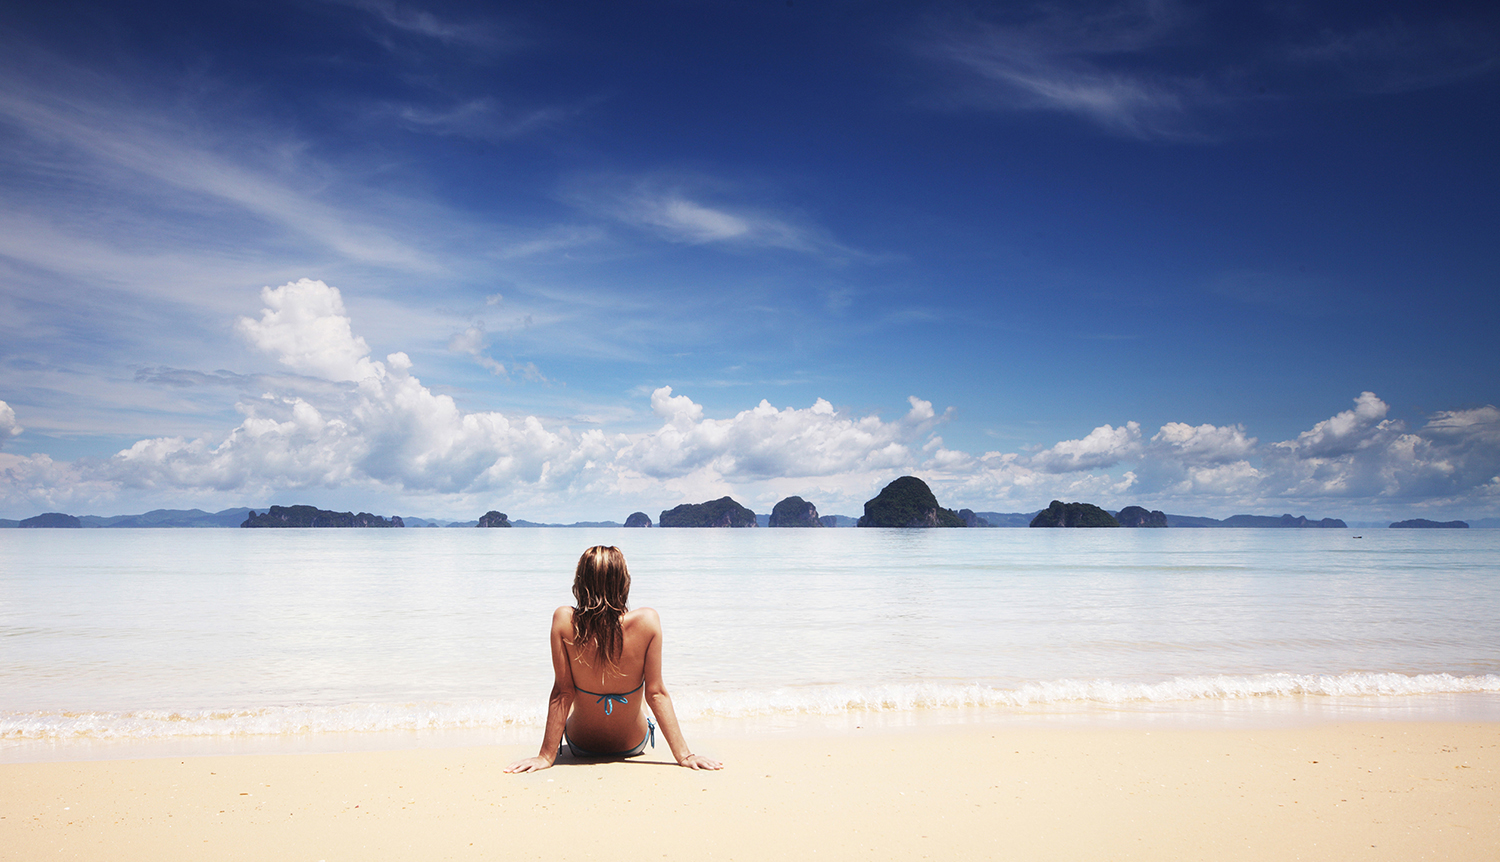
{"x": 1372, "y": 790}
{"x": 1252, "y": 713}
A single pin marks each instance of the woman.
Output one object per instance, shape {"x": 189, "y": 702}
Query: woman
{"x": 605, "y": 657}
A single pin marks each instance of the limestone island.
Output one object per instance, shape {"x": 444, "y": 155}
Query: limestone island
{"x": 310, "y": 516}
{"x": 638, "y": 519}
{"x": 1139, "y": 516}
{"x": 1424, "y": 524}
{"x": 794, "y": 512}
{"x": 1061, "y": 514}
{"x": 723, "y": 512}
{"x": 908, "y": 502}
{"x": 493, "y": 518}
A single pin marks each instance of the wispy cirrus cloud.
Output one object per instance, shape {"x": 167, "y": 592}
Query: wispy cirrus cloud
{"x": 1086, "y": 63}
{"x": 1396, "y": 56}
{"x": 137, "y": 154}
{"x": 693, "y": 211}
{"x": 415, "y": 20}
{"x": 1158, "y": 70}
{"x": 482, "y": 118}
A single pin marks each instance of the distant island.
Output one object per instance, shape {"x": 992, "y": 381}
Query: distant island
{"x": 794, "y": 512}
{"x": 1252, "y": 521}
{"x": 973, "y": 518}
{"x": 638, "y": 519}
{"x": 1007, "y": 519}
{"x": 1283, "y": 521}
{"x": 1139, "y": 516}
{"x": 1424, "y": 524}
{"x": 723, "y": 512}
{"x": 493, "y": 518}
{"x": 908, "y": 502}
{"x": 51, "y": 520}
{"x": 1060, "y": 514}
{"x": 311, "y": 516}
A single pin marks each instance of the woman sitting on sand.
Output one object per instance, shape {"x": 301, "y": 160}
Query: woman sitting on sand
{"x": 609, "y": 656}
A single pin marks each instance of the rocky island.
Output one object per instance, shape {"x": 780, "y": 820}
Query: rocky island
{"x": 493, "y": 518}
{"x": 908, "y": 502}
{"x": 1139, "y": 516}
{"x": 973, "y": 518}
{"x": 638, "y": 519}
{"x": 311, "y": 516}
{"x": 794, "y": 512}
{"x": 723, "y": 512}
{"x": 1061, "y": 514}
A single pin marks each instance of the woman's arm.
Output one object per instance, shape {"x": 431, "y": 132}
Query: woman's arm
{"x": 661, "y": 701}
{"x": 560, "y": 702}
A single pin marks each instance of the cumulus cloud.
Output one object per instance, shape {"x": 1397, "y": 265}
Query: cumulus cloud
{"x": 1105, "y": 446}
{"x": 1345, "y": 432}
{"x": 765, "y": 442}
{"x": 305, "y": 327}
{"x": 1361, "y": 453}
{"x": 1203, "y": 444}
{"x": 9, "y": 427}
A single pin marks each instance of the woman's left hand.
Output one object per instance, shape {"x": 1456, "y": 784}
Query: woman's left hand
{"x": 530, "y": 764}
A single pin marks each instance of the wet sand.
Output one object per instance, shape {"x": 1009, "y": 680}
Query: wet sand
{"x": 1366, "y": 790}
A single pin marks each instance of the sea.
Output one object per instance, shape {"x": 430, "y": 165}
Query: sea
{"x": 158, "y": 642}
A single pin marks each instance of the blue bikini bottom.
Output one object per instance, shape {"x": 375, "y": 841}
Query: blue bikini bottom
{"x": 631, "y": 752}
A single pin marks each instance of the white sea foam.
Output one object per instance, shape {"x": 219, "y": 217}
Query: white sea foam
{"x": 697, "y": 705}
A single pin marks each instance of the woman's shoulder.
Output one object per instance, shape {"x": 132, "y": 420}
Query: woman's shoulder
{"x": 641, "y": 617}
{"x": 563, "y": 616}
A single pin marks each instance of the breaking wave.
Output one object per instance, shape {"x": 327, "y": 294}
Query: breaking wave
{"x": 704, "y": 704}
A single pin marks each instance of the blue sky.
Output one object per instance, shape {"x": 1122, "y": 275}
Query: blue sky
{"x": 574, "y": 260}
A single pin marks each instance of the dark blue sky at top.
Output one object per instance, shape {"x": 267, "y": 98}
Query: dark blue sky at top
{"x": 1046, "y": 217}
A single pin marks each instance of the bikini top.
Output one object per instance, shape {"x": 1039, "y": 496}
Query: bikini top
{"x": 609, "y": 700}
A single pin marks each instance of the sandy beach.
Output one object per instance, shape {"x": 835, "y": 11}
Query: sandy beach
{"x": 1370, "y": 790}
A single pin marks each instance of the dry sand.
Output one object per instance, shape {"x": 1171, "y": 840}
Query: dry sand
{"x": 1380, "y": 790}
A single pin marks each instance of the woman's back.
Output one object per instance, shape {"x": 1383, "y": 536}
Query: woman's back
{"x": 606, "y": 662}
{"x": 607, "y": 713}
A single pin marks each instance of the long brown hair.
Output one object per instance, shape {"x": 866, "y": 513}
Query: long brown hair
{"x": 601, "y": 586}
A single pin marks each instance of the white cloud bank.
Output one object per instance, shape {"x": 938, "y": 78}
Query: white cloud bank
{"x": 371, "y": 427}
